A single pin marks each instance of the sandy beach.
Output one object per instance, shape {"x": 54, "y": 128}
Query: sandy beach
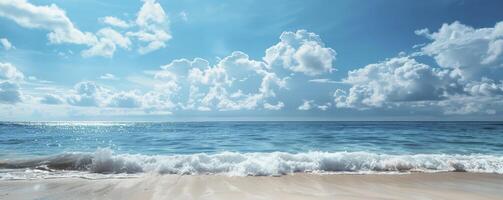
{"x": 298, "y": 186}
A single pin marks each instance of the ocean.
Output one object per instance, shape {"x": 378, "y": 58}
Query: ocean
{"x": 30, "y": 150}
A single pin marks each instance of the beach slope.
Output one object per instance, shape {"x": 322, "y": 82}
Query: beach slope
{"x": 298, "y": 186}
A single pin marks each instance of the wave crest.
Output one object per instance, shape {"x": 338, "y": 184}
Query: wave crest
{"x": 104, "y": 161}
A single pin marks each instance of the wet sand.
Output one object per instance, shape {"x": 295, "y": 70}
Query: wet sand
{"x": 298, "y": 186}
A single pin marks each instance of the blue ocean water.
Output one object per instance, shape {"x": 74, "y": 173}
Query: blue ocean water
{"x": 250, "y": 148}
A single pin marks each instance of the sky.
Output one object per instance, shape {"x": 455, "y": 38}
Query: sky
{"x": 156, "y": 60}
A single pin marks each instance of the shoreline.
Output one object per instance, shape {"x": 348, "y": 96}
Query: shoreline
{"x": 442, "y": 185}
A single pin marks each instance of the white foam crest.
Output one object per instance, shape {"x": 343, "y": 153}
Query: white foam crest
{"x": 276, "y": 163}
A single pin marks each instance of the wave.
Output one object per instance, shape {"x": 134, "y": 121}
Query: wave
{"x": 104, "y": 161}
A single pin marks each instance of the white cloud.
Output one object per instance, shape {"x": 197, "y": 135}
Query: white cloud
{"x": 399, "y": 79}
{"x": 108, "y": 76}
{"x": 6, "y": 44}
{"x": 486, "y": 87}
{"x": 153, "y": 25}
{"x": 468, "y": 81}
{"x": 114, "y": 21}
{"x": 325, "y": 106}
{"x": 51, "y": 18}
{"x": 89, "y": 94}
{"x": 9, "y": 72}
{"x": 301, "y": 51}
{"x": 126, "y": 100}
{"x": 10, "y": 76}
{"x": 151, "y": 13}
{"x": 306, "y": 105}
{"x": 474, "y": 52}
{"x": 277, "y": 106}
{"x": 218, "y": 87}
{"x": 109, "y": 39}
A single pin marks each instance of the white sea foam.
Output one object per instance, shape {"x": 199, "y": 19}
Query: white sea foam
{"x": 104, "y": 161}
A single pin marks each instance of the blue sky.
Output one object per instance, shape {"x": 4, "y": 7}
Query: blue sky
{"x": 251, "y": 60}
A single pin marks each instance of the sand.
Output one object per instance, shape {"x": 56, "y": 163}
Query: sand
{"x": 297, "y": 186}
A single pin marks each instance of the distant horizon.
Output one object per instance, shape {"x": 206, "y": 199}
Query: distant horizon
{"x": 272, "y": 121}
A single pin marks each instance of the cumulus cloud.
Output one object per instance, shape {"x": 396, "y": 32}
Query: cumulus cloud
{"x": 9, "y": 72}
{"x": 153, "y": 27}
{"x": 395, "y": 80}
{"x": 485, "y": 87}
{"x": 218, "y": 87}
{"x": 306, "y": 105}
{"x": 301, "y": 51}
{"x": 325, "y": 106}
{"x": 6, "y": 44}
{"x": 10, "y": 76}
{"x": 126, "y": 100}
{"x": 277, "y": 106}
{"x": 151, "y": 22}
{"x": 51, "y": 18}
{"x": 91, "y": 94}
{"x": 88, "y": 94}
{"x": 466, "y": 81}
{"x": 474, "y": 52}
{"x": 108, "y": 41}
{"x": 114, "y": 21}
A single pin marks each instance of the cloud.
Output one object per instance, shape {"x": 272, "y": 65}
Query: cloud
{"x": 151, "y": 13}
{"x": 306, "y": 105}
{"x": 301, "y": 51}
{"x": 323, "y": 80}
{"x": 126, "y": 100}
{"x": 151, "y": 22}
{"x": 153, "y": 27}
{"x": 87, "y": 94}
{"x": 9, "y": 72}
{"x": 9, "y": 93}
{"x": 277, "y": 106}
{"x": 108, "y": 76}
{"x": 51, "y": 99}
{"x": 114, "y": 21}
{"x": 6, "y": 44}
{"x": 474, "y": 52}
{"x": 464, "y": 105}
{"x": 108, "y": 41}
{"x": 485, "y": 87}
{"x": 91, "y": 94}
{"x": 467, "y": 80}
{"x": 51, "y": 18}
{"x": 221, "y": 86}
{"x": 10, "y": 76}
{"x": 325, "y": 106}
{"x": 399, "y": 79}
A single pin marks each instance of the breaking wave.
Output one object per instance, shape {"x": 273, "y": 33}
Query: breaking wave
{"x": 104, "y": 161}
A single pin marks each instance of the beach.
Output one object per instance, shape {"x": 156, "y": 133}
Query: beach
{"x": 450, "y": 185}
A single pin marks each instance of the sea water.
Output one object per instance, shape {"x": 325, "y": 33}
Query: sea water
{"x": 49, "y": 149}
